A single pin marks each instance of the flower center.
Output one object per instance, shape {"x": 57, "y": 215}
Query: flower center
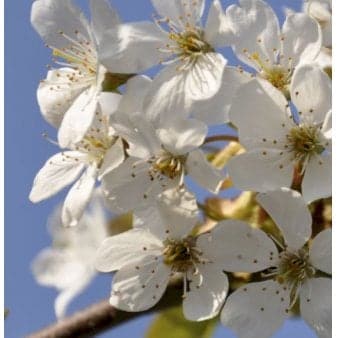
{"x": 168, "y": 165}
{"x": 294, "y": 268}
{"x": 304, "y": 141}
{"x": 189, "y": 43}
{"x": 181, "y": 255}
{"x": 278, "y": 76}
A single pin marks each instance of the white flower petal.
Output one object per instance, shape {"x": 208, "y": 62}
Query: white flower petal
{"x": 78, "y": 197}
{"x": 56, "y": 94}
{"x": 50, "y": 17}
{"x": 205, "y": 298}
{"x": 261, "y": 170}
{"x": 131, "y": 47}
{"x": 139, "y": 286}
{"x": 206, "y": 175}
{"x": 173, "y": 215}
{"x": 316, "y": 305}
{"x": 126, "y": 248}
{"x": 302, "y": 39}
{"x": 167, "y": 96}
{"x": 327, "y": 125}
{"x": 103, "y": 17}
{"x": 289, "y": 211}
{"x": 321, "y": 251}
{"x": 109, "y": 103}
{"x": 204, "y": 78}
{"x": 237, "y": 247}
{"x": 134, "y": 95}
{"x": 217, "y": 31}
{"x": 139, "y": 133}
{"x": 67, "y": 295}
{"x": 256, "y": 30}
{"x": 311, "y": 93}
{"x": 130, "y": 186}
{"x": 78, "y": 118}
{"x": 260, "y": 113}
{"x": 317, "y": 181}
{"x": 113, "y": 158}
{"x": 216, "y": 109}
{"x": 182, "y": 136}
{"x": 59, "y": 171}
{"x": 190, "y": 10}
{"x": 256, "y": 310}
{"x": 57, "y": 268}
{"x": 174, "y": 90}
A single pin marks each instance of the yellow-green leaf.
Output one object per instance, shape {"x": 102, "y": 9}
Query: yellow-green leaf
{"x": 171, "y": 323}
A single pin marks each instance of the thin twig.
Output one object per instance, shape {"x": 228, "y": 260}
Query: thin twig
{"x": 102, "y": 316}
{"x": 217, "y": 138}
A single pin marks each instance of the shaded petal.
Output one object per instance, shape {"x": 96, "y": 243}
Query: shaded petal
{"x": 78, "y": 197}
{"x": 256, "y": 30}
{"x": 139, "y": 133}
{"x": 131, "y": 47}
{"x": 261, "y": 170}
{"x": 113, "y": 158}
{"x": 256, "y": 309}
{"x": 50, "y": 17}
{"x": 311, "y": 93}
{"x": 130, "y": 185}
{"x": 126, "y": 248}
{"x": 207, "y": 292}
{"x": 289, "y": 211}
{"x": 237, "y": 247}
{"x": 56, "y": 94}
{"x": 260, "y": 113}
{"x": 316, "y": 305}
{"x": 136, "y": 89}
{"x": 172, "y": 215}
{"x": 321, "y": 251}
{"x": 317, "y": 181}
{"x": 204, "y": 173}
{"x": 78, "y": 118}
{"x": 139, "y": 286}
{"x": 104, "y": 17}
{"x": 182, "y": 136}
{"x": 59, "y": 171}
{"x": 216, "y": 109}
{"x": 109, "y": 103}
{"x": 217, "y": 31}
{"x": 302, "y": 39}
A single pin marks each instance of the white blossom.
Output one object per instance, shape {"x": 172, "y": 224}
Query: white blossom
{"x": 273, "y": 52}
{"x": 68, "y": 97}
{"x": 193, "y": 69}
{"x": 68, "y": 264}
{"x": 162, "y": 245}
{"x": 259, "y": 309}
{"x": 277, "y": 143}
{"x": 87, "y": 160}
{"x": 160, "y": 154}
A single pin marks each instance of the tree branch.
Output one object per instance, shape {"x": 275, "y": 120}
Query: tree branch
{"x": 102, "y": 316}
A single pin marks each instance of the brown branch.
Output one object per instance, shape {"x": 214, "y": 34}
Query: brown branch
{"x": 217, "y": 138}
{"x": 102, "y": 316}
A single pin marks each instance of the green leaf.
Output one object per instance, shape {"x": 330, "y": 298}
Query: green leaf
{"x": 171, "y": 323}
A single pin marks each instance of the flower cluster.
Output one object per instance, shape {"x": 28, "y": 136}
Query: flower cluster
{"x": 146, "y": 143}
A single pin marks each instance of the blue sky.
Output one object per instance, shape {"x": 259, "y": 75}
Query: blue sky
{"x": 31, "y": 306}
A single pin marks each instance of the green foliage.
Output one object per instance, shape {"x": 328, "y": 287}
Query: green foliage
{"x": 171, "y": 323}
